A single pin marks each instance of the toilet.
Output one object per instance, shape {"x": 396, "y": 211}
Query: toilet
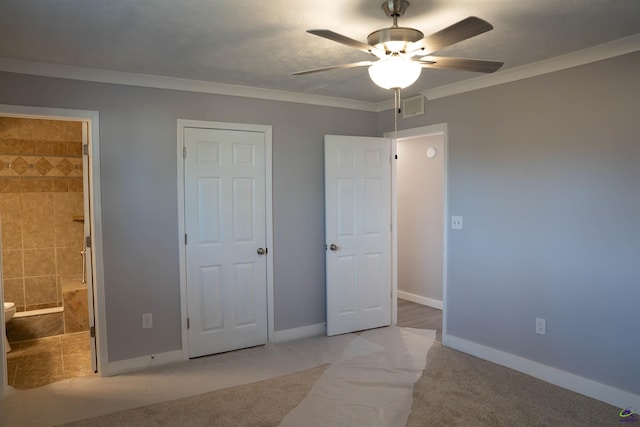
{"x": 9, "y": 311}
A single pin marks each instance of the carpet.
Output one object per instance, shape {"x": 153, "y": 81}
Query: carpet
{"x": 264, "y": 403}
{"x": 371, "y": 383}
{"x": 455, "y": 389}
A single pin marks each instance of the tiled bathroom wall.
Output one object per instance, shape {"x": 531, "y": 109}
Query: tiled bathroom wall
{"x": 41, "y": 209}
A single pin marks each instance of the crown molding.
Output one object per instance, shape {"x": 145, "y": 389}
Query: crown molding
{"x": 389, "y": 104}
{"x": 161, "y": 82}
{"x": 593, "y": 54}
{"x": 581, "y": 57}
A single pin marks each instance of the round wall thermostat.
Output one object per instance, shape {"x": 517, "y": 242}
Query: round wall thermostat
{"x": 431, "y": 152}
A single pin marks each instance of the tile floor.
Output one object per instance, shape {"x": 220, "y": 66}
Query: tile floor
{"x": 34, "y": 363}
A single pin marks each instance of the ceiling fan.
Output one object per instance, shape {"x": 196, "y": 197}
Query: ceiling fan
{"x": 402, "y": 52}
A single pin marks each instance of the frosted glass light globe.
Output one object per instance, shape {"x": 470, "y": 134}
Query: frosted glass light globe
{"x": 395, "y": 72}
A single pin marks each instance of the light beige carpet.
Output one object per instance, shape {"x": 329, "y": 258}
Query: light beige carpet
{"x": 455, "y": 390}
{"x": 264, "y": 403}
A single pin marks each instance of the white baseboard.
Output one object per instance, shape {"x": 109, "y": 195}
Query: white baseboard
{"x": 299, "y": 333}
{"x": 143, "y": 362}
{"x": 613, "y": 396}
{"x": 420, "y": 300}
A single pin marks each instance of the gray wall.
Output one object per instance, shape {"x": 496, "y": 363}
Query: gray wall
{"x": 546, "y": 172}
{"x": 139, "y": 197}
{"x": 419, "y": 187}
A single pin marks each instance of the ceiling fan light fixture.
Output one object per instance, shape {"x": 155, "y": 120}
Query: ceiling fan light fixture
{"x": 395, "y": 72}
{"x": 394, "y": 39}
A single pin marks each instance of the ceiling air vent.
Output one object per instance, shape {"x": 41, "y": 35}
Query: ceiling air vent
{"x": 413, "y": 106}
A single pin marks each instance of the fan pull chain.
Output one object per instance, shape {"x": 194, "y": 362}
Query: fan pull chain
{"x": 397, "y": 110}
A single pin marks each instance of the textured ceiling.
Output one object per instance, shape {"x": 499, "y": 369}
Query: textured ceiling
{"x": 259, "y": 43}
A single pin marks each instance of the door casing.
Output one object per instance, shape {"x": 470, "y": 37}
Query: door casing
{"x": 267, "y": 131}
{"x": 95, "y": 218}
{"x": 439, "y": 129}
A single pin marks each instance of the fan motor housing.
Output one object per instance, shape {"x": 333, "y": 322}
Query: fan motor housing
{"x": 395, "y": 7}
{"x": 382, "y": 38}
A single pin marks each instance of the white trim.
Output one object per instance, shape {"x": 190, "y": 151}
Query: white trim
{"x": 300, "y": 333}
{"x": 394, "y": 227}
{"x": 92, "y": 118}
{"x": 269, "y": 224}
{"x": 268, "y": 134}
{"x": 40, "y": 312}
{"x": 388, "y": 104}
{"x": 445, "y": 228}
{"x": 582, "y": 57}
{"x": 162, "y": 82}
{"x": 3, "y": 365}
{"x": 412, "y": 133}
{"x": 144, "y": 362}
{"x": 564, "y": 379}
{"x": 182, "y": 265}
{"x": 419, "y": 131}
{"x": 585, "y": 56}
{"x": 420, "y": 299}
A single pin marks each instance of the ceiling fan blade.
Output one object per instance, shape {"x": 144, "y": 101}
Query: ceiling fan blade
{"x": 335, "y": 67}
{"x": 453, "y": 34}
{"x": 328, "y": 34}
{"x": 477, "y": 65}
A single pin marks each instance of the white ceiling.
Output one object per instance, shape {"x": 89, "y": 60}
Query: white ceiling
{"x": 259, "y": 43}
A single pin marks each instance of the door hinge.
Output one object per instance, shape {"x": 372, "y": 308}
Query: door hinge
{"x": 88, "y": 241}
{"x": 185, "y": 239}
{"x": 187, "y": 323}
{"x": 184, "y": 152}
{"x": 92, "y": 332}
{"x": 85, "y": 149}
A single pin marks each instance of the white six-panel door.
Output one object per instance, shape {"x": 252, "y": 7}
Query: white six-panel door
{"x": 358, "y": 233}
{"x": 224, "y": 179}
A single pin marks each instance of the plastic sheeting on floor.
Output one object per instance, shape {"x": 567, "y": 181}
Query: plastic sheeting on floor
{"x": 91, "y": 396}
{"x": 362, "y": 358}
{"x": 371, "y": 384}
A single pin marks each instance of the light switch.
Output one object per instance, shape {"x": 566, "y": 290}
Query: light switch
{"x": 147, "y": 321}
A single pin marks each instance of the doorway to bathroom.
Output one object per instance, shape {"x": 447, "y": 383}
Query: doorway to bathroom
{"x": 47, "y": 253}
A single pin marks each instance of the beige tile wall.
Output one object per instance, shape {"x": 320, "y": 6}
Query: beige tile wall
{"x": 40, "y": 208}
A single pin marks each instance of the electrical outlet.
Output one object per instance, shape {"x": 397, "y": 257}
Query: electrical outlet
{"x": 147, "y": 321}
{"x": 541, "y": 326}
{"x": 456, "y": 222}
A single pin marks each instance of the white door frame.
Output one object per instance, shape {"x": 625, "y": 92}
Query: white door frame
{"x": 267, "y": 131}
{"x": 92, "y": 120}
{"x": 440, "y": 129}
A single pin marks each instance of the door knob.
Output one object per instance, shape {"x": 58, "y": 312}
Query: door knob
{"x": 261, "y": 251}
{"x": 333, "y": 247}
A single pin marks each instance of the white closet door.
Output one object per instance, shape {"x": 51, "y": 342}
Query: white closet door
{"x": 225, "y": 194}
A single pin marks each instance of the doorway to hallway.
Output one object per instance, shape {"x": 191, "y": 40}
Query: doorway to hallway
{"x": 419, "y": 220}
